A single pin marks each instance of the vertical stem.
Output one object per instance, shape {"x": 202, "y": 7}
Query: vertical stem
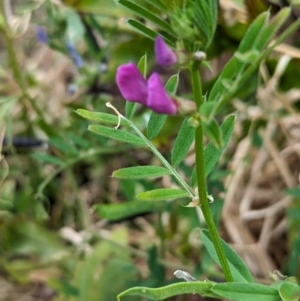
{"x": 201, "y": 179}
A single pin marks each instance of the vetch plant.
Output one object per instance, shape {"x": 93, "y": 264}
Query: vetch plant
{"x": 191, "y": 31}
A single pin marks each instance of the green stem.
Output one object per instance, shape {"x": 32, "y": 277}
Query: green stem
{"x": 201, "y": 179}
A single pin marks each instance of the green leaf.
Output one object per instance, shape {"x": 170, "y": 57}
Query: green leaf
{"x": 289, "y": 291}
{"x": 66, "y": 147}
{"x": 48, "y": 159}
{"x": 246, "y": 291}
{"x": 172, "y": 84}
{"x": 143, "y": 65}
{"x": 100, "y": 117}
{"x": 183, "y": 142}
{"x": 140, "y": 172}
{"x": 155, "y": 124}
{"x": 205, "y": 19}
{"x": 118, "y": 135}
{"x": 75, "y": 29}
{"x": 269, "y": 30}
{"x": 252, "y": 33}
{"x": 211, "y": 153}
{"x": 162, "y": 194}
{"x": 234, "y": 67}
{"x": 162, "y": 293}
{"x": 295, "y": 249}
{"x": 145, "y": 13}
{"x": 149, "y": 33}
{"x": 206, "y": 108}
{"x": 159, "y": 5}
{"x": 114, "y": 212}
{"x": 130, "y": 107}
{"x": 247, "y": 57}
{"x": 212, "y": 130}
{"x": 238, "y": 268}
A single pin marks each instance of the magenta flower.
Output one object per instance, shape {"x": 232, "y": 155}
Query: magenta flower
{"x": 158, "y": 99}
{"x": 131, "y": 83}
{"x": 164, "y": 55}
{"x": 151, "y": 94}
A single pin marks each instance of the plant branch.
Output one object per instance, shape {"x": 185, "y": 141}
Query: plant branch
{"x": 201, "y": 179}
{"x": 174, "y": 173}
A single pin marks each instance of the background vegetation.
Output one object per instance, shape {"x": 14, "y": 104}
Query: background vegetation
{"x": 70, "y": 231}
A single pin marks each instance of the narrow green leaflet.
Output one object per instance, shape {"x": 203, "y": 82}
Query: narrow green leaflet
{"x": 246, "y": 292}
{"x": 114, "y": 212}
{"x": 289, "y": 291}
{"x": 159, "y": 5}
{"x": 145, "y": 13}
{"x": 206, "y": 108}
{"x": 172, "y": 84}
{"x": 234, "y": 66}
{"x": 155, "y": 124}
{"x": 130, "y": 107}
{"x": 157, "y": 121}
{"x": 66, "y": 148}
{"x": 205, "y": 19}
{"x": 182, "y": 142}
{"x": 75, "y": 29}
{"x": 118, "y": 135}
{"x": 149, "y": 33}
{"x": 48, "y": 159}
{"x": 100, "y": 117}
{"x": 162, "y": 293}
{"x": 140, "y": 172}
{"x": 212, "y": 130}
{"x": 270, "y": 29}
{"x": 253, "y": 31}
{"x": 211, "y": 153}
{"x": 259, "y": 43}
{"x": 238, "y": 268}
{"x": 143, "y": 65}
{"x": 162, "y": 194}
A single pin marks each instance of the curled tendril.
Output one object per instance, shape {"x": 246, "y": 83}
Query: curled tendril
{"x": 109, "y": 105}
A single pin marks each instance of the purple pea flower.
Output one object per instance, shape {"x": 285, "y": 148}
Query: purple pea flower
{"x": 77, "y": 59}
{"x": 42, "y": 36}
{"x": 151, "y": 94}
{"x": 158, "y": 99}
{"x": 132, "y": 84}
{"x": 165, "y": 57}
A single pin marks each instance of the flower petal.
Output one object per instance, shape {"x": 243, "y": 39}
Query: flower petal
{"x": 131, "y": 83}
{"x": 158, "y": 99}
{"x": 164, "y": 55}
